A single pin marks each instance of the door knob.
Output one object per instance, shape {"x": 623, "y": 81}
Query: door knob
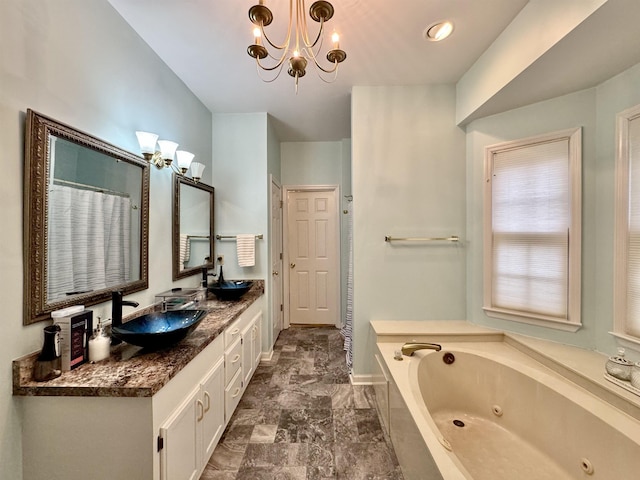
{"x": 292, "y": 265}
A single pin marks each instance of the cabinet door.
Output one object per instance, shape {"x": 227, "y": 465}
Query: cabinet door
{"x": 181, "y": 452}
{"x": 213, "y": 399}
{"x": 257, "y": 340}
{"x": 247, "y": 353}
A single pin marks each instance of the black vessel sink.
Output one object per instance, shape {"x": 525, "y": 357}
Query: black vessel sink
{"x": 159, "y": 329}
{"x": 230, "y": 290}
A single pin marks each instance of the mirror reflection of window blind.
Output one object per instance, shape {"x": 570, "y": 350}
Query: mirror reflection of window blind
{"x": 633, "y": 239}
{"x": 530, "y": 228}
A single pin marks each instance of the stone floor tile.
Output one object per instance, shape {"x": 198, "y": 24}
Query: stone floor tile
{"x": 237, "y": 433}
{"x": 227, "y": 457}
{"x": 305, "y": 425}
{"x": 369, "y": 428}
{"x": 364, "y": 461}
{"x": 274, "y": 455}
{"x": 273, "y": 473}
{"x": 263, "y": 434}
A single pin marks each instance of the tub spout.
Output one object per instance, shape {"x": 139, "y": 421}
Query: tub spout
{"x": 410, "y": 348}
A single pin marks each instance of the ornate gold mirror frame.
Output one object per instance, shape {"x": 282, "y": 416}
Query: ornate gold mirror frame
{"x": 40, "y": 133}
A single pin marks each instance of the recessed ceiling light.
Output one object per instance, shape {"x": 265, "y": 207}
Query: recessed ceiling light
{"x": 438, "y": 31}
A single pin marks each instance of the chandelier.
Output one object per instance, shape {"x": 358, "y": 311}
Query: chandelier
{"x": 297, "y": 48}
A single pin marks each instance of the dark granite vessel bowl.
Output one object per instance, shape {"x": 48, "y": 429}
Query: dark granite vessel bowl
{"x": 159, "y": 329}
{"x": 230, "y": 290}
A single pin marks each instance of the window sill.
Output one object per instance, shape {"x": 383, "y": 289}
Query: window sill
{"x": 537, "y": 320}
{"x": 627, "y": 341}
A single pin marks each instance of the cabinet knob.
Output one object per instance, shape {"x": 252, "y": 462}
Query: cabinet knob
{"x": 275, "y": 273}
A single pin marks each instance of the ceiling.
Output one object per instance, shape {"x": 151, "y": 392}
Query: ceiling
{"x": 205, "y": 41}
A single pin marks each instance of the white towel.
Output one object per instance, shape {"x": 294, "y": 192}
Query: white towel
{"x": 246, "y": 245}
{"x": 185, "y": 250}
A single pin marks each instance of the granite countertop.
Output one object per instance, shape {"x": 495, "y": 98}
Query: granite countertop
{"x": 131, "y": 371}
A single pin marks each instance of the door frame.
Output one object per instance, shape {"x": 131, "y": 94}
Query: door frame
{"x": 285, "y": 244}
{"x": 274, "y": 302}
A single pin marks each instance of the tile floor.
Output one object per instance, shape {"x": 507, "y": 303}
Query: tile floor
{"x": 301, "y": 419}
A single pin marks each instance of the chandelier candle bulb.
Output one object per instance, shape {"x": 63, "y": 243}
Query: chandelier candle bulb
{"x": 335, "y": 38}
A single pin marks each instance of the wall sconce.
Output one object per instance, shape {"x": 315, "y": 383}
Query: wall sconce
{"x": 164, "y": 157}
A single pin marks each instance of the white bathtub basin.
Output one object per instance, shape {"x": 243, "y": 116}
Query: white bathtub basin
{"x": 521, "y": 420}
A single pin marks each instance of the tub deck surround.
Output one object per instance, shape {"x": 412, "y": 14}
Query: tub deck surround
{"x": 580, "y": 366}
{"x": 131, "y": 371}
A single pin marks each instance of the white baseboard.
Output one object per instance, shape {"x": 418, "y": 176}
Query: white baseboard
{"x": 366, "y": 379}
{"x": 266, "y": 356}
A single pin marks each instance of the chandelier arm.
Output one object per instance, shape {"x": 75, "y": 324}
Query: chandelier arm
{"x": 335, "y": 76}
{"x": 305, "y": 33}
{"x": 320, "y": 67}
{"x": 287, "y": 40}
{"x": 259, "y": 68}
{"x": 269, "y": 69}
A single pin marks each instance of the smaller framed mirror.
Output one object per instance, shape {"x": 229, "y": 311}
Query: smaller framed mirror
{"x": 192, "y": 227}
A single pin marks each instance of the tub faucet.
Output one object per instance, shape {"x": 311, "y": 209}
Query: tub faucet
{"x": 116, "y": 311}
{"x": 410, "y": 348}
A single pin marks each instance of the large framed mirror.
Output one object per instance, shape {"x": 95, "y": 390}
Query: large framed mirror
{"x": 192, "y": 227}
{"x": 86, "y": 219}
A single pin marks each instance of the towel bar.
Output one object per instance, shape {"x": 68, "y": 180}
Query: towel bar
{"x": 452, "y": 238}
{"x": 225, "y": 237}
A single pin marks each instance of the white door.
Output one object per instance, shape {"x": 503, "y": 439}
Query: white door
{"x": 313, "y": 255}
{"x": 276, "y": 259}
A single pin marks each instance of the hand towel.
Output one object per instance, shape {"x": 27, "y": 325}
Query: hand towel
{"x": 185, "y": 250}
{"x": 246, "y": 247}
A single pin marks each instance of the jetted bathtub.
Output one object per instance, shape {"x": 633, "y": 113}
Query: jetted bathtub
{"x": 493, "y": 412}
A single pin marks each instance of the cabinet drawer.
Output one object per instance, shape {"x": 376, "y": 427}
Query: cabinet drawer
{"x": 232, "y": 395}
{"x": 232, "y": 333}
{"x": 232, "y": 361}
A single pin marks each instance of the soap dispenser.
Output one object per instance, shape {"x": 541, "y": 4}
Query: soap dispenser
{"x": 202, "y": 290}
{"x": 99, "y": 344}
{"x": 49, "y": 364}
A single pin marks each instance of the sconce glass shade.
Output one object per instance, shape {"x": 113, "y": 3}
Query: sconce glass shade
{"x": 184, "y": 160}
{"x": 196, "y": 170}
{"x": 147, "y": 142}
{"x": 167, "y": 150}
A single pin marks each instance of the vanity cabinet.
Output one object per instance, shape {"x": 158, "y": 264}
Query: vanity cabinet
{"x": 123, "y": 432}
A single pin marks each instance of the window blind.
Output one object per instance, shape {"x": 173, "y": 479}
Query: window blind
{"x": 531, "y": 217}
{"x": 633, "y": 236}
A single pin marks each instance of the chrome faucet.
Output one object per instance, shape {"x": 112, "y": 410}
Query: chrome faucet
{"x": 410, "y": 348}
{"x": 116, "y": 311}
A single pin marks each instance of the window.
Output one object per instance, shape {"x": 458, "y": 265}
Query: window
{"x": 627, "y": 229}
{"x": 532, "y": 228}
